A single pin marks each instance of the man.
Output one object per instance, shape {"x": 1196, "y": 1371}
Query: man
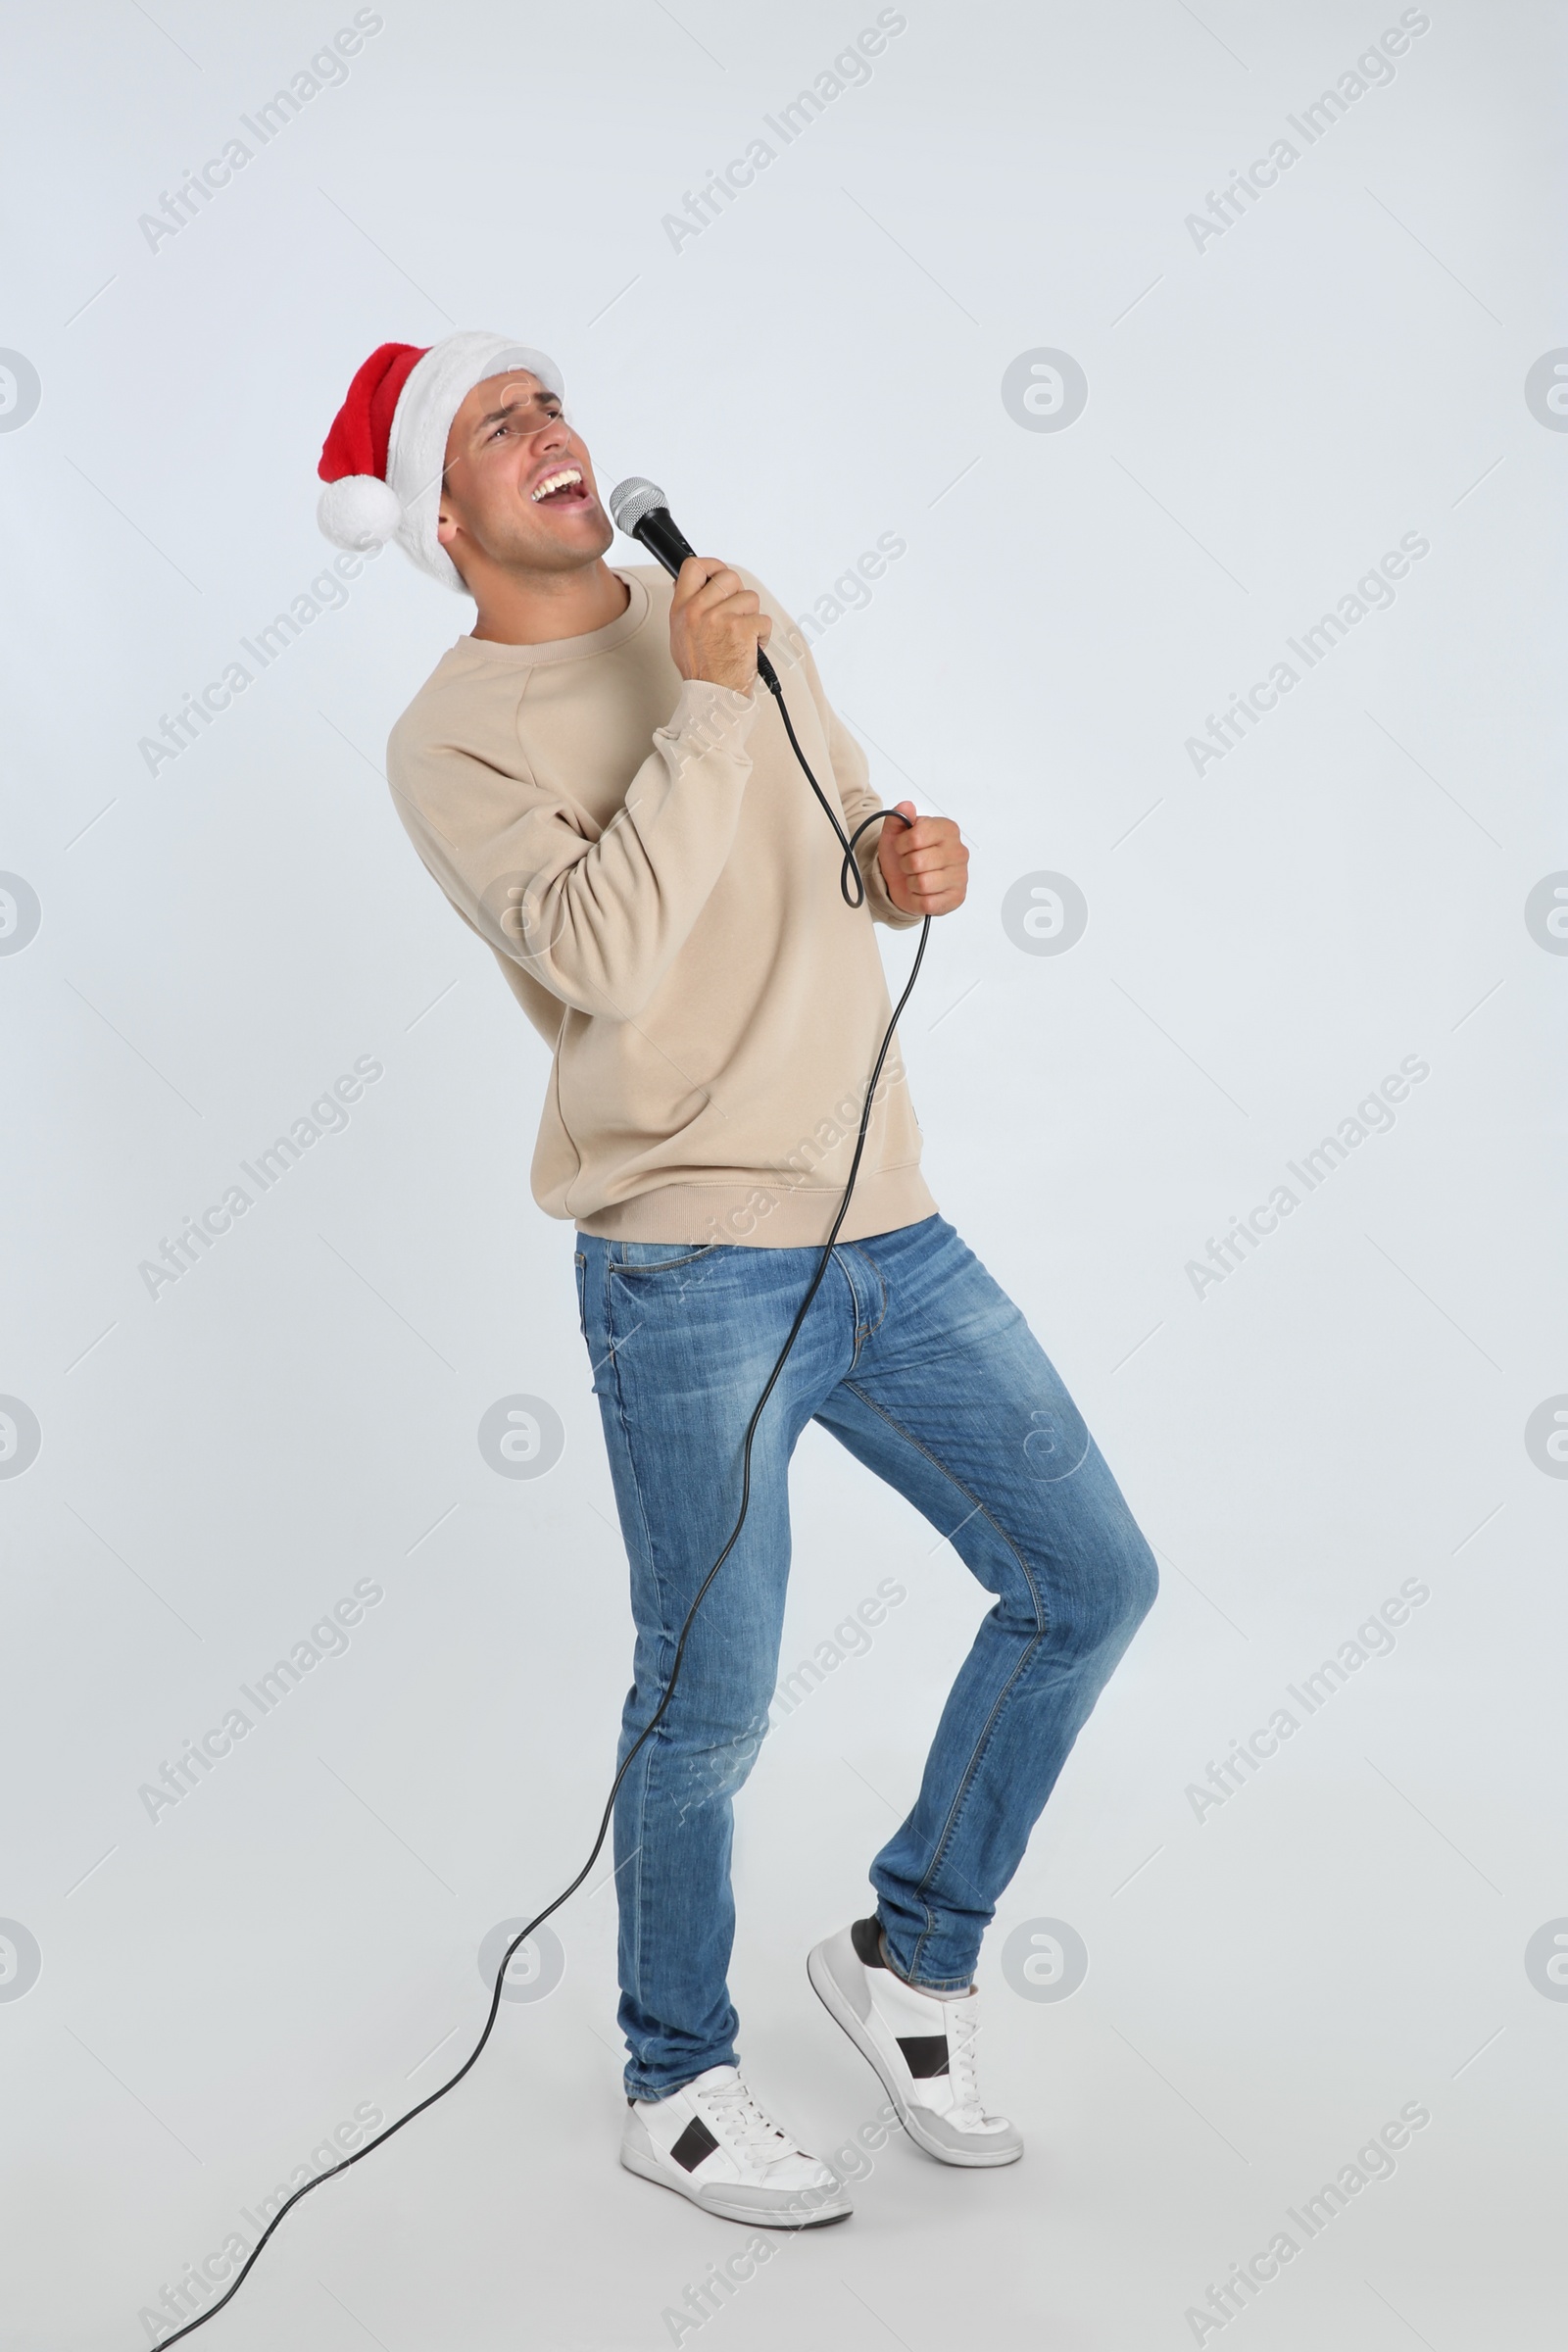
{"x": 609, "y": 798}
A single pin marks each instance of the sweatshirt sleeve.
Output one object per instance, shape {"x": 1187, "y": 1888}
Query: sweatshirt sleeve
{"x": 853, "y": 775}
{"x": 595, "y": 916}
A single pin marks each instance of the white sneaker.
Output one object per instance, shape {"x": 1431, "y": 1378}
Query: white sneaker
{"x": 922, "y": 2047}
{"x": 710, "y": 2141}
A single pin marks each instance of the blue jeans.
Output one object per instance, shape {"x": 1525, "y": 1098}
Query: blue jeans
{"x": 918, "y": 1363}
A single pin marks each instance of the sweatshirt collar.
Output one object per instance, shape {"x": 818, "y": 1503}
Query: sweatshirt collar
{"x": 567, "y": 649}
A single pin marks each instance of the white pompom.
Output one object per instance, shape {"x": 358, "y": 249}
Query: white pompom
{"x": 358, "y": 512}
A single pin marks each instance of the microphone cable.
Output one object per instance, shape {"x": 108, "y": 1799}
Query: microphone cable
{"x": 851, "y": 889}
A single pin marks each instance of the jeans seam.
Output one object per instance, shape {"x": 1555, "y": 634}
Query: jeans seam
{"x": 1043, "y": 1627}
{"x": 854, "y": 1310}
{"x": 652, "y": 1745}
{"x": 967, "y": 1781}
{"x": 872, "y": 1329}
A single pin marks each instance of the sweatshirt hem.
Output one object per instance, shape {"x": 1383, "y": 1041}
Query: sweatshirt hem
{"x": 758, "y": 1216}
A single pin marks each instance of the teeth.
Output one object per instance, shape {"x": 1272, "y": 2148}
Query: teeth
{"x": 556, "y": 481}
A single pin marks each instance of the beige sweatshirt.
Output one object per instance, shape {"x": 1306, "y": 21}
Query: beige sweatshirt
{"x": 661, "y": 889}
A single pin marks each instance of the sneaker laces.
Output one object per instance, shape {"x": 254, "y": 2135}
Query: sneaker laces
{"x": 966, "y": 2110}
{"x": 743, "y": 2122}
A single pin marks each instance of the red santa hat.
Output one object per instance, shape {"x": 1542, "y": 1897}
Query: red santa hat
{"x": 382, "y": 459}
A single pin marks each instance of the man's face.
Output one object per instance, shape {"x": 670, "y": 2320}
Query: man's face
{"x": 518, "y": 488}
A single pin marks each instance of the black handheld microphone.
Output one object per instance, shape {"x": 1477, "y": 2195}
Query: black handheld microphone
{"x": 641, "y": 510}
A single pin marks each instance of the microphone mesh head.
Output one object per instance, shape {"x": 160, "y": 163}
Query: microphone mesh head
{"x": 631, "y": 500}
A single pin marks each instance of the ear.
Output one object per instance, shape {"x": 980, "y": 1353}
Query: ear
{"x": 446, "y": 521}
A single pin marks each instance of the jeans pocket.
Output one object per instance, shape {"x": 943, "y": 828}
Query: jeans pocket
{"x": 661, "y": 1257}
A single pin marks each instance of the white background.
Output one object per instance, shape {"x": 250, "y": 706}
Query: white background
{"x": 1267, "y": 417}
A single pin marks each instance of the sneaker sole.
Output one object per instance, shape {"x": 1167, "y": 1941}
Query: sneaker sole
{"x": 716, "y": 2200}
{"x": 826, "y": 1987}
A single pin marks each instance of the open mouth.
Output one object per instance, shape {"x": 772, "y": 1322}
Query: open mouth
{"x": 563, "y": 488}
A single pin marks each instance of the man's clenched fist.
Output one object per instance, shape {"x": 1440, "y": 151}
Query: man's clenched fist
{"x": 925, "y": 866}
{"x": 715, "y": 624}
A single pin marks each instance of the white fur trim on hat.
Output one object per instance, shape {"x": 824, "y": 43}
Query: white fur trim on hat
{"x": 417, "y": 448}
